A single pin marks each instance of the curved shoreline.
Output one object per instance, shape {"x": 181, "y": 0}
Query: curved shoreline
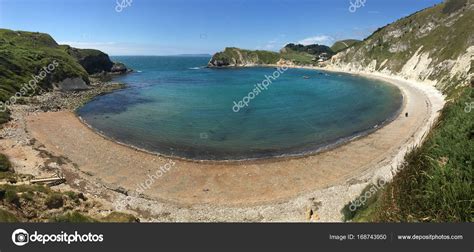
{"x": 309, "y": 152}
{"x": 271, "y": 190}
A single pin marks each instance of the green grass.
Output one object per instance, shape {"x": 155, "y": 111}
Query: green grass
{"x": 343, "y": 44}
{"x": 6, "y": 216}
{"x": 442, "y": 43}
{"x": 364, "y": 212}
{"x": 39, "y": 197}
{"x": 313, "y": 49}
{"x": 72, "y": 217}
{"x": 117, "y": 217}
{"x": 299, "y": 58}
{"x": 7, "y": 175}
{"x": 23, "y": 54}
{"x": 453, "y": 5}
{"x": 26, "y": 188}
{"x": 76, "y": 217}
{"x": 435, "y": 183}
{"x": 231, "y": 55}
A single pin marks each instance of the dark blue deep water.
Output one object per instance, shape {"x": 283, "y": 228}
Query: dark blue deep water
{"x": 176, "y": 106}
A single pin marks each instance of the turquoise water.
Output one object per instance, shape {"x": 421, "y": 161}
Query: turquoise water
{"x": 176, "y": 106}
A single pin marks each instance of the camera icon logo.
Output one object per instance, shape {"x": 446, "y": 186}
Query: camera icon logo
{"x": 20, "y": 237}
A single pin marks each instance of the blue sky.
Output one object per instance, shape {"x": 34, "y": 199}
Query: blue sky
{"x": 167, "y": 27}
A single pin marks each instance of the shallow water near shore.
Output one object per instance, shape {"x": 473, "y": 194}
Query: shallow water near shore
{"x": 176, "y": 106}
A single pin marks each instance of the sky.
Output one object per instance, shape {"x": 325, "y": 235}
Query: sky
{"x": 170, "y": 27}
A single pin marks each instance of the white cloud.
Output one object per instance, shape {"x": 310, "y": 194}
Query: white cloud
{"x": 273, "y": 44}
{"x": 320, "y": 39}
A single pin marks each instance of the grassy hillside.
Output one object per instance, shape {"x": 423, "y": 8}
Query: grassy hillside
{"x": 313, "y": 49}
{"x": 435, "y": 180}
{"x": 299, "y": 58}
{"x": 341, "y": 45}
{"x": 424, "y": 45}
{"x": 232, "y": 56}
{"x": 435, "y": 183}
{"x": 23, "y": 54}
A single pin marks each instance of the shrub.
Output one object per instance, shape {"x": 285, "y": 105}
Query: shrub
{"x": 119, "y": 217}
{"x": 12, "y": 197}
{"x": 72, "y": 217}
{"x": 5, "y": 164}
{"x": 54, "y": 200}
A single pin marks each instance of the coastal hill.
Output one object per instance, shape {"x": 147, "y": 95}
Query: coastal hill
{"x": 435, "y": 44}
{"x": 25, "y": 54}
{"x": 296, "y": 53}
{"x": 232, "y": 56}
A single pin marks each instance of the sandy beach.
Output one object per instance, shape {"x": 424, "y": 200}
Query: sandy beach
{"x": 310, "y": 188}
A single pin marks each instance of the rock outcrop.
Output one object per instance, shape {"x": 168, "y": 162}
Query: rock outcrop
{"x": 71, "y": 84}
{"x": 93, "y": 61}
{"x": 119, "y": 68}
{"x": 96, "y": 62}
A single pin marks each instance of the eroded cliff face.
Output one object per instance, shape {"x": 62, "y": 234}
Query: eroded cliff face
{"x": 93, "y": 61}
{"x": 434, "y": 45}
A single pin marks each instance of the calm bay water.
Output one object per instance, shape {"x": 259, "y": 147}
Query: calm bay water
{"x": 176, "y": 106}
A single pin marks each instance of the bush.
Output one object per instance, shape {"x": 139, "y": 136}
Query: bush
{"x": 5, "y": 164}
{"x": 72, "y": 217}
{"x": 4, "y": 117}
{"x": 12, "y": 197}
{"x": 119, "y": 217}
{"x": 55, "y": 200}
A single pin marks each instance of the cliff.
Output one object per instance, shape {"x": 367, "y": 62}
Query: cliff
{"x": 95, "y": 61}
{"x": 35, "y": 58}
{"x": 435, "y": 44}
